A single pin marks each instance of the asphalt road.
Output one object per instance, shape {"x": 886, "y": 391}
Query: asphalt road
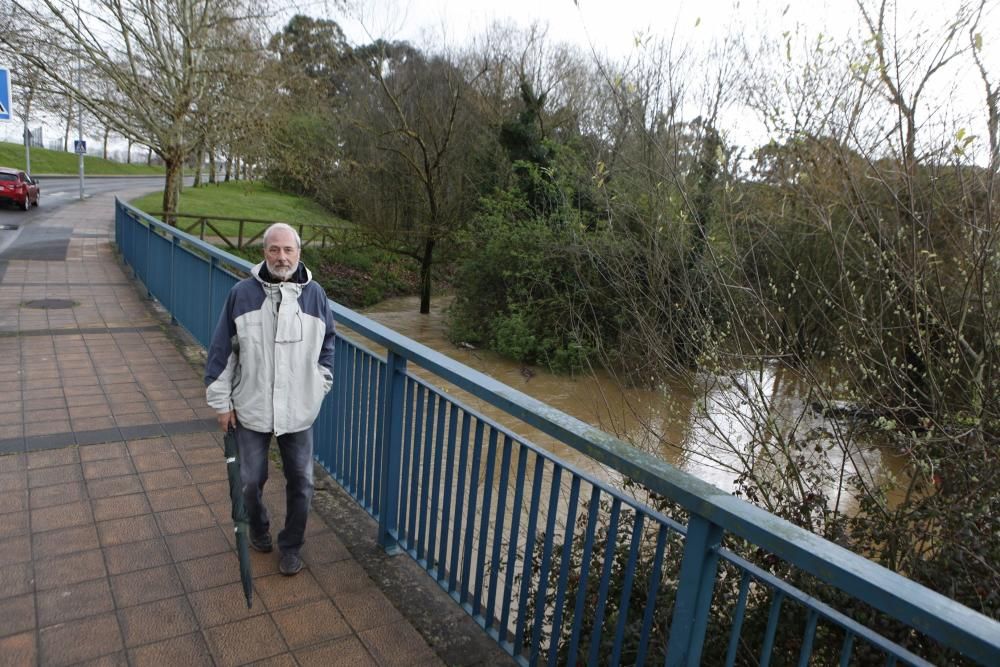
{"x": 60, "y": 191}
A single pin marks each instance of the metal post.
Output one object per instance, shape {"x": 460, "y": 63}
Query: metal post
{"x": 392, "y": 447}
{"x": 694, "y": 593}
{"x": 27, "y": 148}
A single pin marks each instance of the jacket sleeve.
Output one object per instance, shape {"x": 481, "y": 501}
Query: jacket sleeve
{"x": 223, "y": 361}
{"x": 326, "y": 352}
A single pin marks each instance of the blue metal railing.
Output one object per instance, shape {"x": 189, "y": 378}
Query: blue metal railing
{"x": 556, "y": 565}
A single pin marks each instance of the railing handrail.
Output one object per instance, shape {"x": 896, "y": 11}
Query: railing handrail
{"x": 201, "y": 216}
{"x": 947, "y": 621}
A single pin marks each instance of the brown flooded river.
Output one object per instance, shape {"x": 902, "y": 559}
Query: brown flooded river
{"x": 713, "y": 435}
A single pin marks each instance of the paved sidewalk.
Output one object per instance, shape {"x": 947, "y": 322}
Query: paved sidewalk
{"x": 115, "y": 538}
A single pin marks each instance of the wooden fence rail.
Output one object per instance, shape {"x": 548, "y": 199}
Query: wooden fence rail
{"x": 250, "y": 230}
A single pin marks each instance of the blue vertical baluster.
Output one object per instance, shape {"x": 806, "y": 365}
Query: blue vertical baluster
{"x": 439, "y": 443}
{"x": 404, "y": 475}
{"x": 484, "y": 523}
{"x": 491, "y": 599}
{"x": 694, "y": 592}
{"x": 847, "y": 648}
{"x": 456, "y": 532}
{"x": 358, "y": 394}
{"x": 738, "y": 614}
{"x": 415, "y": 487}
{"x": 583, "y": 582}
{"x": 772, "y": 628}
{"x": 377, "y": 437}
{"x": 541, "y": 593}
{"x": 425, "y": 487}
{"x": 624, "y": 603}
{"x": 470, "y": 522}
{"x": 340, "y": 365}
{"x": 371, "y": 434}
{"x": 446, "y": 508}
{"x": 807, "y": 640}
{"x": 564, "y": 567}
{"x": 529, "y": 552}
{"x": 651, "y": 594}
{"x": 511, "y": 564}
{"x": 611, "y": 542}
{"x": 391, "y": 435}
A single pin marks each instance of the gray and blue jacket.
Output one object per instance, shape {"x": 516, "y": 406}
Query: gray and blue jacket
{"x": 271, "y": 357}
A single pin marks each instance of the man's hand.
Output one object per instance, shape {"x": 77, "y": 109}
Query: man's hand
{"x": 227, "y": 420}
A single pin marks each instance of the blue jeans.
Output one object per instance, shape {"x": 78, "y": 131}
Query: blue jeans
{"x": 297, "y": 461}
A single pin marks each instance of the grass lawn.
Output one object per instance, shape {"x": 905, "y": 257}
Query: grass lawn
{"x": 241, "y": 199}
{"x": 44, "y": 161}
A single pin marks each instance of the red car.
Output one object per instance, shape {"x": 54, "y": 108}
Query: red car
{"x": 18, "y": 188}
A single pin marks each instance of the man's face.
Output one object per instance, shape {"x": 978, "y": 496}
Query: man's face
{"x": 281, "y": 254}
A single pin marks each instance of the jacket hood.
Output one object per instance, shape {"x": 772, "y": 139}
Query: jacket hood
{"x": 301, "y": 276}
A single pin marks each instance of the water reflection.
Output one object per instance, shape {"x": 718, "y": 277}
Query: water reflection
{"x": 712, "y": 429}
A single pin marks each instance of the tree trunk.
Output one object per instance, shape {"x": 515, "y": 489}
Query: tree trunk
{"x": 128, "y": 156}
{"x": 104, "y": 148}
{"x": 229, "y": 167}
{"x": 69, "y": 124}
{"x": 425, "y": 276}
{"x": 149, "y": 157}
{"x": 171, "y": 187}
{"x": 212, "y": 167}
{"x": 198, "y": 159}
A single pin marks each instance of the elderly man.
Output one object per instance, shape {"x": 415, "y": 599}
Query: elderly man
{"x": 268, "y": 369}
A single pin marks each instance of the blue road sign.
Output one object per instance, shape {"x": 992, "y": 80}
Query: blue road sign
{"x": 80, "y": 146}
{"x": 4, "y": 94}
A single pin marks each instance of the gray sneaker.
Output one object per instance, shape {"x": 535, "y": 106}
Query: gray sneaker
{"x": 290, "y": 564}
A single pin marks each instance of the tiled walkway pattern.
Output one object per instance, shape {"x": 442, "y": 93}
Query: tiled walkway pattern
{"x": 115, "y": 537}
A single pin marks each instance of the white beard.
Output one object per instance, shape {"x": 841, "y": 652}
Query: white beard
{"x": 279, "y": 272}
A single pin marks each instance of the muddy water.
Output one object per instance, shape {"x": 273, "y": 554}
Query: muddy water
{"x": 714, "y": 434}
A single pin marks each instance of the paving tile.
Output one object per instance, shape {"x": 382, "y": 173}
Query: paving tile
{"x": 188, "y": 650}
{"x": 13, "y": 524}
{"x": 346, "y": 652}
{"x": 155, "y": 621}
{"x": 367, "y": 609}
{"x": 64, "y": 541}
{"x": 214, "y": 492}
{"x": 243, "y": 641}
{"x": 312, "y": 623}
{"x": 147, "y": 585}
{"x": 19, "y": 649}
{"x": 136, "y": 556}
{"x": 120, "y": 507}
{"x": 55, "y": 440}
{"x": 185, "y": 520}
{"x": 67, "y": 603}
{"x": 107, "y": 468}
{"x": 198, "y": 543}
{"x": 54, "y": 457}
{"x": 117, "y": 659}
{"x": 396, "y": 645}
{"x": 278, "y": 591}
{"x": 163, "y": 500}
{"x": 208, "y": 572}
{"x": 202, "y": 455}
{"x": 114, "y": 486}
{"x": 16, "y": 579}
{"x": 76, "y": 641}
{"x": 110, "y": 450}
{"x": 153, "y": 462}
{"x": 46, "y": 427}
{"x": 15, "y": 550}
{"x": 209, "y": 472}
{"x": 280, "y": 660}
{"x": 130, "y": 529}
{"x": 223, "y": 604}
{"x": 14, "y": 501}
{"x": 12, "y": 463}
{"x": 69, "y": 569}
{"x": 46, "y": 496}
{"x": 95, "y": 429}
{"x": 150, "y": 446}
{"x": 61, "y": 516}
{"x": 197, "y": 440}
{"x": 14, "y": 480}
{"x": 54, "y": 475}
{"x": 344, "y": 576}
{"x": 163, "y": 479}
{"x": 17, "y": 614}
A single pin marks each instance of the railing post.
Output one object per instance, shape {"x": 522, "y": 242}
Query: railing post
{"x": 391, "y": 432}
{"x": 694, "y": 592}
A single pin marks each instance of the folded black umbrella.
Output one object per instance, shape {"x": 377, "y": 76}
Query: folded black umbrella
{"x": 240, "y": 518}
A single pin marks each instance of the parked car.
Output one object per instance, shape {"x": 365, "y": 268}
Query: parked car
{"x": 16, "y": 187}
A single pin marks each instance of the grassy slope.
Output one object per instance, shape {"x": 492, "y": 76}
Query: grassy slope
{"x": 44, "y": 161}
{"x": 354, "y": 276}
{"x": 237, "y": 199}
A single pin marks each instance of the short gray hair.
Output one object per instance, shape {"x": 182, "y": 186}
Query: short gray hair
{"x": 288, "y": 228}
